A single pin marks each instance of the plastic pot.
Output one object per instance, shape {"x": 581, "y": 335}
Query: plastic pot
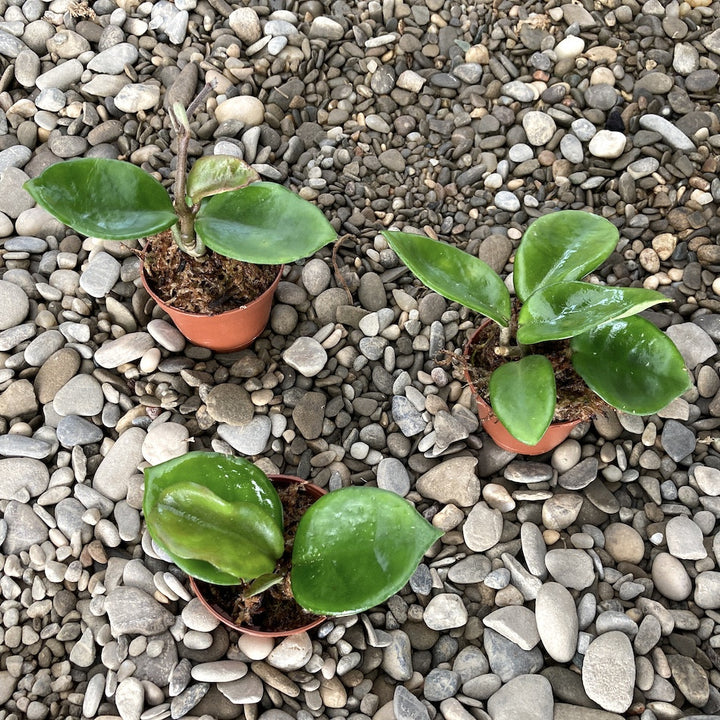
{"x": 315, "y": 492}
{"x": 554, "y": 435}
{"x": 226, "y": 331}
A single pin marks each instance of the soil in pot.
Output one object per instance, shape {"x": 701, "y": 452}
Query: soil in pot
{"x": 208, "y": 285}
{"x": 575, "y": 400}
{"x": 275, "y": 609}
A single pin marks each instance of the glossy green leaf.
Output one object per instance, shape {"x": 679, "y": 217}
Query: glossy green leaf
{"x": 239, "y": 539}
{"x": 262, "y": 583}
{"x": 234, "y": 480}
{"x": 561, "y": 246}
{"x": 354, "y": 548}
{"x": 262, "y": 223}
{"x": 455, "y": 274}
{"x": 522, "y": 395}
{"x": 631, "y": 365}
{"x": 213, "y": 174}
{"x": 563, "y": 310}
{"x": 103, "y": 198}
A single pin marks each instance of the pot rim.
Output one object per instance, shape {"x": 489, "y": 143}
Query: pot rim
{"x": 316, "y": 492}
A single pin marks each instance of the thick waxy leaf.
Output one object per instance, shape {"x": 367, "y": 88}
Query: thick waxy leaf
{"x": 104, "y": 198}
{"x": 522, "y": 395}
{"x": 213, "y": 174}
{"x": 262, "y": 223}
{"x": 631, "y": 365}
{"x": 561, "y": 246}
{"x": 355, "y": 548}
{"x": 232, "y": 479}
{"x": 237, "y": 538}
{"x": 454, "y": 274}
{"x": 563, "y": 310}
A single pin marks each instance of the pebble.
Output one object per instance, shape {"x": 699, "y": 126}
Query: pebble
{"x": 452, "y": 481}
{"x": 230, "y": 403}
{"x": 306, "y": 355}
{"x": 113, "y": 475}
{"x": 669, "y": 132}
{"x": 571, "y": 568}
{"x": 81, "y": 395}
{"x": 708, "y": 480}
{"x": 164, "y": 442}
{"x": 445, "y": 611}
{"x": 113, "y": 60}
{"x": 557, "y": 621}
{"x": 482, "y": 528}
{"x": 624, "y": 543}
{"x": 133, "y": 612}
{"x": 684, "y": 539}
{"x": 526, "y": 696}
{"x": 508, "y": 660}
{"x": 406, "y": 706}
{"x": 608, "y": 144}
{"x": 608, "y": 671}
{"x": 130, "y": 698}
{"x": 14, "y": 305}
{"x": 707, "y": 590}
{"x": 23, "y": 528}
{"x": 678, "y": 441}
{"x": 694, "y": 344}
{"x": 516, "y": 623}
{"x": 392, "y": 475}
{"x": 125, "y": 349}
{"x": 247, "y": 690}
{"x": 397, "y": 656}
{"x": 670, "y": 577}
{"x": 248, "y": 439}
{"x": 245, "y": 23}
{"x": 248, "y": 110}
{"x": 137, "y": 96}
{"x": 539, "y": 127}
{"x": 569, "y": 47}
{"x": 292, "y": 653}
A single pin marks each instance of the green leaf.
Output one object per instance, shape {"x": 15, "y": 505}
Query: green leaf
{"x": 262, "y": 583}
{"x": 103, "y": 198}
{"x": 561, "y": 246}
{"x": 631, "y": 365}
{"x": 455, "y": 274}
{"x": 213, "y": 174}
{"x": 522, "y": 395}
{"x": 262, "y": 223}
{"x": 232, "y": 479}
{"x": 238, "y": 538}
{"x": 563, "y": 310}
{"x": 354, "y": 548}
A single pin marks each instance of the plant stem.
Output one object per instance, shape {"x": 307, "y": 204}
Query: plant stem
{"x": 184, "y": 231}
{"x": 504, "y": 349}
{"x": 185, "y": 236}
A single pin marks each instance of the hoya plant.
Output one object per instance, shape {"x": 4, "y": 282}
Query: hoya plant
{"x": 219, "y": 204}
{"x": 221, "y": 520}
{"x": 623, "y": 358}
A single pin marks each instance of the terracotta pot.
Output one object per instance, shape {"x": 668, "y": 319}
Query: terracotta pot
{"x": 554, "y": 435}
{"x": 227, "y": 331}
{"x": 313, "y": 490}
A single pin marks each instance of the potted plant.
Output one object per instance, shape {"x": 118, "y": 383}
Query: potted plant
{"x": 582, "y": 334}
{"x": 271, "y": 558}
{"x": 213, "y": 255}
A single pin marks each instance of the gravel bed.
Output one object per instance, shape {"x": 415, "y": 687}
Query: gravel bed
{"x": 580, "y": 585}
